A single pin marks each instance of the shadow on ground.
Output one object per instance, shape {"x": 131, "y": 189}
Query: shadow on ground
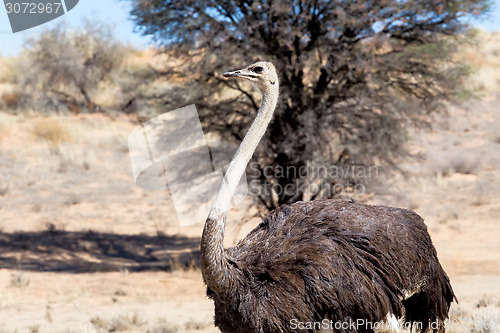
{"x": 62, "y": 251}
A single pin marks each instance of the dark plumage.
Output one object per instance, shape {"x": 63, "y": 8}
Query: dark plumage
{"x": 336, "y": 260}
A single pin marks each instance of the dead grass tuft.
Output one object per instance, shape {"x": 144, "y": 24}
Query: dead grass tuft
{"x": 130, "y": 322}
{"x": 463, "y": 164}
{"x": 4, "y": 189}
{"x": 52, "y": 130}
{"x": 11, "y": 100}
{"x": 120, "y": 292}
{"x": 196, "y": 325}
{"x": 72, "y": 200}
{"x": 163, "y": 326}
{"x": 7, "y": 122}
{"x": 134, "y": 323}
{"x": 71, "y": 157}
{"x": 482, "y": 317}
{"x": 19, "y": 280}
{"x": 486, "y": 319}
{"x": 184, "y": 265}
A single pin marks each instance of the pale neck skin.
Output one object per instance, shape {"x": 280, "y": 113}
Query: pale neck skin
{"x": 214, "y": 266}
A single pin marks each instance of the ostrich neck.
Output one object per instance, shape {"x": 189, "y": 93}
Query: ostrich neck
{"x": 215, "y": 268}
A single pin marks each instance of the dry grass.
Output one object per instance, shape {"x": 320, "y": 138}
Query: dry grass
{"x": 186, "y": 266}
{"x": 19, "y": 280}
{"x": 70, "y": 157}
{"x": 135, "y": 323}
{"x": 448, "y": 162}
{"x": 193, "y": 324}
{"x": 118, "y": 324}
{"x": 10, "y": 100}
{"x": 163, "y": 326}
{"x": 4, "y": 189}
{"x": 52, "y": 130}
{"x": 482, "y": 317}
{"x": 460, "y": 163}
{"x": 7, "y": 122}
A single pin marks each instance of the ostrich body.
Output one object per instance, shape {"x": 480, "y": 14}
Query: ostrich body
{"x": 321, "y": 264}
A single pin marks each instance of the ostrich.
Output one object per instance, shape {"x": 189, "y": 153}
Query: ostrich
{"x": 318, "y": 265}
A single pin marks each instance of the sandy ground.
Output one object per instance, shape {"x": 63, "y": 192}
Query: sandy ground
{"x": 84, "y": 249}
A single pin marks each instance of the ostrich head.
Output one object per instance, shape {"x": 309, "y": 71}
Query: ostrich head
{"x": 262, "y": 74}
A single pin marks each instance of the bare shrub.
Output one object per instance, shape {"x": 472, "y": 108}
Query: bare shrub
{"x": 65, "y": 69}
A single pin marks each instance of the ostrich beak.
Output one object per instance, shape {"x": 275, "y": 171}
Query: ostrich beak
{"x": 242, "y": 74}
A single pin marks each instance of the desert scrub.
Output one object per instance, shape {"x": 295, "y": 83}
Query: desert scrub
{"x": 52, "y": 130}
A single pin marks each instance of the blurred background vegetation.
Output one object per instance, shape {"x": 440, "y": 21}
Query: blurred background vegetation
{"x": 354, "y": 77}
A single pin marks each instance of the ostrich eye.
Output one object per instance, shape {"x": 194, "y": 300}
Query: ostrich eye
{"x": 258, "y": 69}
